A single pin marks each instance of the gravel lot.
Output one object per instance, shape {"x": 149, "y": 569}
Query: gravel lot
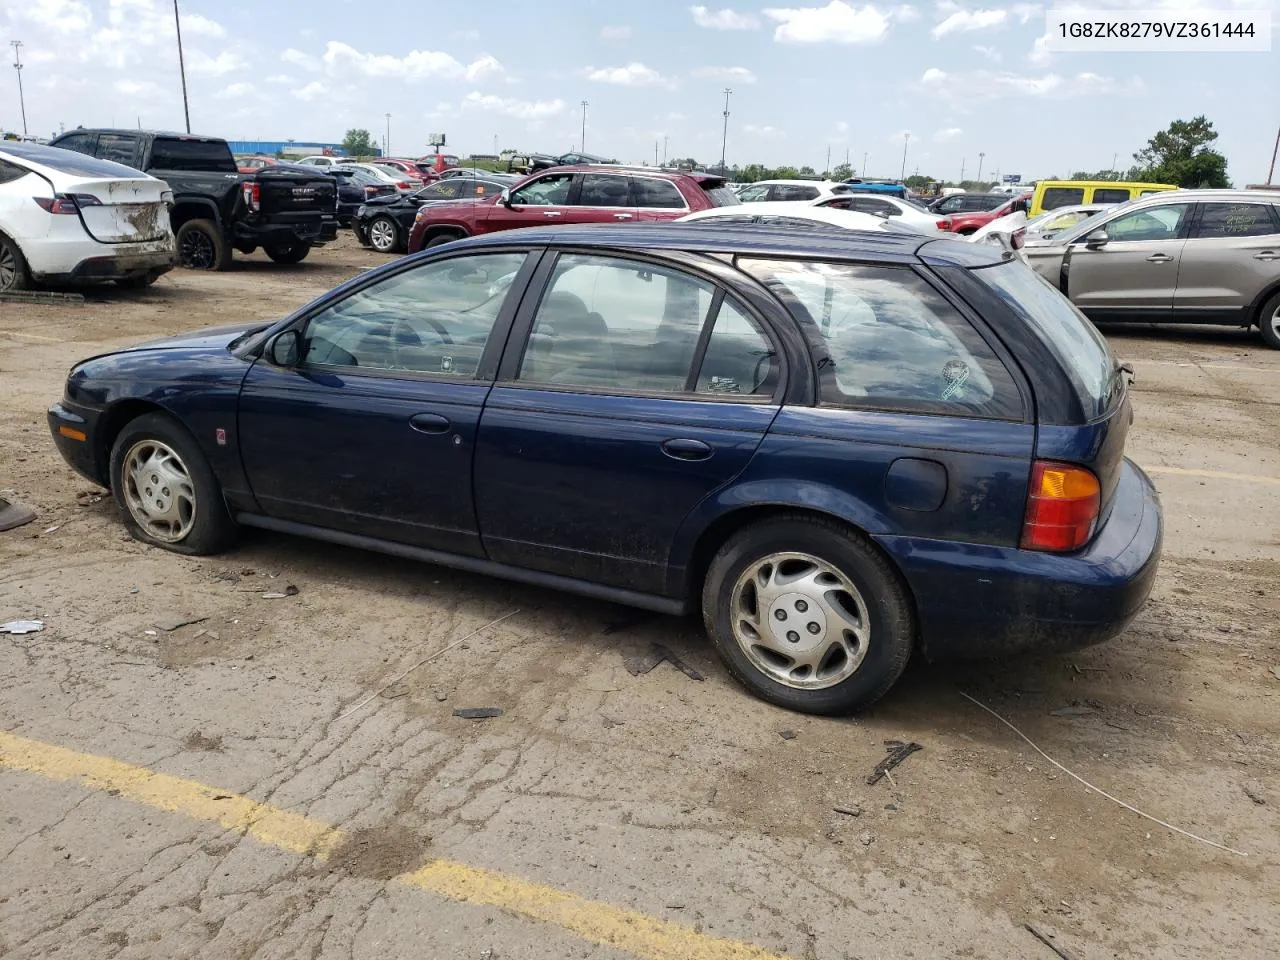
{"x": 677, "y": 799}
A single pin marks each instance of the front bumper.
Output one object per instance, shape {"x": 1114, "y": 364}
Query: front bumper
{"x": 983, "y": 601}
{"x": 74, "y": 430}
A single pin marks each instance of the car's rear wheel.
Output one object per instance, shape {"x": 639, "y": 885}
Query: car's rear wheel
{"x": 808, "y": 614}
{"x": 1269, "y": 322}
{"x": 13, "y": 267}
{"x": 201, "y": 246}
{"x": 295, "y": 251}
{"x": 166, "y": 490}
{"x": 384, "y": 235}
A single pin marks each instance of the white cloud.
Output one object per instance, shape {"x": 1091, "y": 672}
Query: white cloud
{"x": 281, "y": 78}
{"x": 842, "y": 127}
{"x": 300, "y": 59}
{"x": 1040, "y": 55}
{"x": 991, "y": 53}
{"x": 312, "y": 91}
{"x": 135, "y": 88}
{"x": 767, "y": 132}
{"x": 837, "y": 22}
{"x": 676, "y": 117}
{"x": 632, "y": 75}
{"x": 725, "y": 19}
{"x": 963, "y": 21}
{"x": 989, "y": 85}
{"x": 62, "y": 16}
{"x": 194, "y": 25}
{"x": 484, "y": 68}
{"x": 615, "y": 33}
{"x": 342, "y": 59}
{"x": 725, "y": 74}
{"x": 235, "y": 90}
{"x": 465, "y": 35}
{"x": 905, "y": 13}
{"x": 1025, "y": 11}
{"x": 947, "y": 134}
{"x": 201, "y": 64}
{"x": 899, "y": 137}
{"x": 510, "y": 107}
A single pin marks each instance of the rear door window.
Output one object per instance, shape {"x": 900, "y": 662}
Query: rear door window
{"x": 873, "y": 205}
{"x": 754, "y": 193}
{"x": 1110, "y": 195}
{"x": 1220, "y": 221}
{"x": 794, "y": 191}
{"x": 884, "y": 339}
{"x": 1055, "y": 197}
{"x": 79, "y": 142}
{"x": 603, "y": 190}
{"x": 119, "y": 148}
{"x": 655, "y": 194}
{"x": 444, "y": 190}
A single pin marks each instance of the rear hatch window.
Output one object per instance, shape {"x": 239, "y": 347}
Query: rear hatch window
{"x": 1068, "y": 334}
{"x": 718, "y": 193}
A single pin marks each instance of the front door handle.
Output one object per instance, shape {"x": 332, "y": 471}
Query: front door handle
{"x": 1159, "y": 258}
{"x": 551, "y": 213}
{"x": 622, "y": 216}
{"x": 429, "y": 423}
{"x": 682, "y": 449}
{"x": 1266, "y": 255}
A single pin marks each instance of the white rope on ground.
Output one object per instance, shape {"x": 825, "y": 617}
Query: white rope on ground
{"x": 439, "y": 653}
{"x": 1082, "y": 780}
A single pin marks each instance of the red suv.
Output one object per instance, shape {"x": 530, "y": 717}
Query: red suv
{"x": 584, "y": 194}
{"x": 968, "y": 221}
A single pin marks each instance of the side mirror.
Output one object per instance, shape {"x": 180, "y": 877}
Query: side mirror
{"x": 283, "y": 348}
{"x": 1098, "y": 238}
{"x": 505, "y": 198}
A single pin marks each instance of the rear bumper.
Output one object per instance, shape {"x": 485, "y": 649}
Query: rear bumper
{"x": 87, "y": 260}
{"x": 982, "y": 601}
{"x": 67, "y": 422}
{"x": 313, "y": 231}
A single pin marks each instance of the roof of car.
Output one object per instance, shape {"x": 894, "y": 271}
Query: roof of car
{"x": 756, "y": 239}
{"x": 1257, "y": 196}
{"x": 134, "y": 132}
{"x": 656, "y": 172}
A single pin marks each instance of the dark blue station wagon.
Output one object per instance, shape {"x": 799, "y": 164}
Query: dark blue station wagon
{"x": 840, "y": 448}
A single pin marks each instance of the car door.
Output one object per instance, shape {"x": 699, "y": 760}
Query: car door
{"x": 630, "y": 391}
{"x": 1232, "y": 255}
{"x": 370, "y": 428}
{"x": 538, "y": 202}
{"x": 602, "y": 198}
{"x": 1133, "y": 274}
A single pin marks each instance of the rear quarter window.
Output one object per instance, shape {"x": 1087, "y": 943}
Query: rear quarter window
{"x": 722, "y": 196}
{"x": 1055, "y": 197}
{"x": 1110, "y": 195}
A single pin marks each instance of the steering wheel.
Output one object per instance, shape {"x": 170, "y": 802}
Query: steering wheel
{"x": 399, "y": 327}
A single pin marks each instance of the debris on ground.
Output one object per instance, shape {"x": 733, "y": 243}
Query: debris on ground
{"x": 853, "y": 811}
{"x": 173, "y": 622}
{"x": 22, "y": 626}
{"x": 787, "y": 734}
{"x": 289, "y": 591}
{"x": 477, "y": 713}
{"x": 1254, "y": 792}
{"x": 1275, "y": 672}
{"x": 609, "y": 722}
{"x": 1048, "y": 941}
{"x": 898, "y": 751}
{"x": 86, "y": 498}
{"x": 868, "y": 838}
{"x": 14, "y": 514}
{"x": 640, "y": 662}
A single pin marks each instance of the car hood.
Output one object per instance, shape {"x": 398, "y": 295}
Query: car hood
{"x": 384, "y": 200}
{"x": 196, "y": 339}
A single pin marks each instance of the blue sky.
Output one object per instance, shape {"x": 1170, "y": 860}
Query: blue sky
{"x": 959, "y": 78}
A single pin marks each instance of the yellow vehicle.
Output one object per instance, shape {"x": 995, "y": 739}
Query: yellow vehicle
{"x": 1051, "y": 194}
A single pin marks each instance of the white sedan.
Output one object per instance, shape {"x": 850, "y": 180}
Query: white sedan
{"x": 67, "y": 218}
{"x": 802, "y": 215}
{"x": 780, "y": 191}
{"x": 402, "y": 182}
{"x": 884, "y": 205}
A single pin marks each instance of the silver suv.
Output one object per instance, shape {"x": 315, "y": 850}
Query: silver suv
{"x": 1185, "y": 256}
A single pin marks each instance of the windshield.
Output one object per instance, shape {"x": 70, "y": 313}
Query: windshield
{"x": 1076, "y": 342}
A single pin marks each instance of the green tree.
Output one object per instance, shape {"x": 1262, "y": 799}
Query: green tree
{"x": 359, "y": 143}
{"x": 1098, "y": 175}
{"x": 917, "y": 182}
{"x": 842, "y": 172}
{"x": 1182, "y": 154}
{"x": 807, "y": 171}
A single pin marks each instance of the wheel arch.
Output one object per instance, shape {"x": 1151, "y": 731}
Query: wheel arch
{"x": 113, "y": 420}
{"x": 194, "y": 208}
{"x": 1253, "y": 316}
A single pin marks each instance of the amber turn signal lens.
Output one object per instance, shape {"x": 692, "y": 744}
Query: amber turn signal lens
{"x": 71, "y": 433}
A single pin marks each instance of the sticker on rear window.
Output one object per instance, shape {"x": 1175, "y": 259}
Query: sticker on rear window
{"x": 956, "y": 373}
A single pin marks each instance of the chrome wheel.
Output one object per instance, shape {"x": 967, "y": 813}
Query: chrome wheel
{"x": 800, "y": 621}
{"x": 382, "y": 235}
{"x": 1274, "y": 321}
{"x": 8, "y": 267}
{"x": 158, "y": 491}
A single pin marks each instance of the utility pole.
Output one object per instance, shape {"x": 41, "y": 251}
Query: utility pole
{"x": 826, "y": 171}
{"x": 666, "y": 139}
{"x": 962, "y": 163}
{"x": 17, "y": 65}
{"x": 655, "y": 152}
{"x": 906, "y": 139}
{"x": 864, "y": 164}
{"x": 846, "y": 159}
{"x": 1114, "y": 157}
{"x": 582, "y": 144}
{"x": 1275, "y": 150}
{"x": 387, "y": 143}
{"x": 182, "y": 66}
{"x": 981, "y": 157}
{"x": 724, "y": 137}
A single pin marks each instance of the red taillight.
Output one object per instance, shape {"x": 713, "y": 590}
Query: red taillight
{"x": 944, "y": 223}
{"x": 1019, "y": 238}
{"x": 1062, "y": 507}
{"x": 404, "y": 185}
{"x": 252, "y": 196}
{"x": 67, "y": 203}
{"x": 370, "y": 191}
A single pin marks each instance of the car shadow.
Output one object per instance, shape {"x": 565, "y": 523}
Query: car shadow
{"x": 1186, "y": 334}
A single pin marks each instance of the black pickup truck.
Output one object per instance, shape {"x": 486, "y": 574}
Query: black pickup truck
{"x": 217, "y": 208}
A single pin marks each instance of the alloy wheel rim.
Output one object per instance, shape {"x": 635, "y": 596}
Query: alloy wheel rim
{"x": 382, "y": 235}
{"x": 197, "y": 250}
{"x": 1275, "y": 317}
{"x": 800, "y": 621}
{"x": 158, "y": 491}
{"x": 8, "y": 267}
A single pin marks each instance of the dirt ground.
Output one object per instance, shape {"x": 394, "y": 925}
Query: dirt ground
{"x": 676, "y": 798}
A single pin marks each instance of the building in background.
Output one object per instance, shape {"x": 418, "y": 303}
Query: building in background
{"x": 289, "y": 148}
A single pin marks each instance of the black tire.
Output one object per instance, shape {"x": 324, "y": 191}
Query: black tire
{"x": 441, "y": 238}
{"x": 14, "y": 274}
{"x": 201, "y": 246}
{"x": 211, "y": 528}
{"x": 371, "y": 235}
{"x": 889, "y": 612}
{"x": 967, "y": 231}
{"x": 294, "y": 251}
{"x": 1269, "y": 322}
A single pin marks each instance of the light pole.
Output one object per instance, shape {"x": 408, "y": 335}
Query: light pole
{"x": 387, "y": 143}
{"x": 963, "y": 160}
{"x": 864, "y": 164}
{"x": 1271, "y": 170}
{"x": 182, "y": 66}
{"x": 582, "y": 144}
{"x": 981, "y": 157}
{"x": 724, "y": 137}
{"x": 906, "y": 139}
{"x": 826, "y": 171}
{"x": 666, "y": 139}
{"x": 17, "y": 65}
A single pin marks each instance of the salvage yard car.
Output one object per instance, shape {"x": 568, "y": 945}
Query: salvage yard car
{"x": 384, "y": 223}
{"x": 67, "y": 218}
{"x": 1185, "y": 256}
{"x": 839, "y": 448}
{"x": 216, "y": 207}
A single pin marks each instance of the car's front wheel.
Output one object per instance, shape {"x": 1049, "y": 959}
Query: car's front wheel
{"x": 1269, "y": 322}
{"x": 808, "y": 614}
{"x": 384, "y": 235}
{"x": 166, "y": 490}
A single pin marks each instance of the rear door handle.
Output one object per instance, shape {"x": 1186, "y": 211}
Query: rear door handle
{"x": 1266, "y": 255}
{"x": 681, "y": 449}
{"x": 551, "y": 213}
{"x": 429, "y": 423}
{"x": 1159, "y": 258}
{"x": 622, "y": 216}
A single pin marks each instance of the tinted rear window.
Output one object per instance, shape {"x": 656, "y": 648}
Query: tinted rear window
{"x": 1111, "y": 195}
{"x": 1055, "y": 197}
{"x": 720, "y": 195}
{"x": 212, "y": 156}
{"x": 1071, "y": 338}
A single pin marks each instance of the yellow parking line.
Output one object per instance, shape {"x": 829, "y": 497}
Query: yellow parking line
{"x": 592, "y": 920}
{"x": 1212, "y": 474}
